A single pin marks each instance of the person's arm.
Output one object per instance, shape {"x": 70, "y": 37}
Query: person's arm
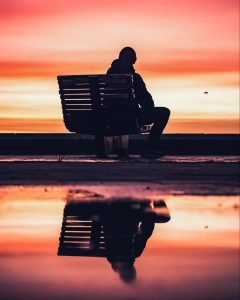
{"x": 144, "y": 231}
{"x": 143, "y": 97}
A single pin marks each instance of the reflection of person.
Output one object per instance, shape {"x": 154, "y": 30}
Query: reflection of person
{"x": 147, "y": 113}
{"x": 117, "y": 229}
{"x": 122, "y": 258}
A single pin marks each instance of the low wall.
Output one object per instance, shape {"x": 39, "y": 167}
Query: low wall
{"x": 174, "y": 144}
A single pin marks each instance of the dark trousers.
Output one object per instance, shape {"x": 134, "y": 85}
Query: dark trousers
{"x": 159, "y": 116}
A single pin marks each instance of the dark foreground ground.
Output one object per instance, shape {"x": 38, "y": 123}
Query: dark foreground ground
{"x": 202, "y": 162}
{"x": 194, "y": 175}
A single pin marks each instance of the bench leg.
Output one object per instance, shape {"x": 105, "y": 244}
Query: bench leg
{"x": 121, "y": 143}
{"x": 105, "y": 145}
{"x": 124, "y": 142}
{"x": 108, "y": 144}
{"x": 100, "y": 146}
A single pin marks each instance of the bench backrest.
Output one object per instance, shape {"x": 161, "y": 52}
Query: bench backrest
{"x": 81, "y": 237}
{"x": 98, "y": 103}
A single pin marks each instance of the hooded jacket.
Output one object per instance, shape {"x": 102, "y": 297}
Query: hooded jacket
{"x": 143, "y": 97}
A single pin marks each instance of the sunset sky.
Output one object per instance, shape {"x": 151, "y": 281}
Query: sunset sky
{"x": 184, "y": 47}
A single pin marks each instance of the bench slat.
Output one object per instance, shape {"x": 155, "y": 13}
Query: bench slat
{"x": 75, "y": 96}
{"x": 82, "y": 229}
{"x": 116, "y": 90}
{"x": 76, "y": 218}
{"x": 78, "y": 78}
{"x": 115, "y": 96}
{"x": 73, "y": 223}
{"x": 78, "y": 222}
{"x": 74, "y": 85}
{"x": 77, "y": 234}
{"x": 76, "y": 245}
{"x": 115, "y": 79}
{"x": 66, "y": 238}
{"x": 120, "y": 113}
{"x": 108, "y": 112}
{"x": 75, "y": 91}
{"x": 77, "y": 112}
{"x": 95, "y": 77}
{"x": 77, "y": 106}
{"x": 115, "y": 85}
{"x": 115, "y": 103}
{"x": 77, "y": 101}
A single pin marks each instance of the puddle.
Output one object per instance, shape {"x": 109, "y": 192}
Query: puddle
{"x": 121, "y": 241}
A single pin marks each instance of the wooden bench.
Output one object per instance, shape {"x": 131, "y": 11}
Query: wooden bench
{"x": 101, "y": 105}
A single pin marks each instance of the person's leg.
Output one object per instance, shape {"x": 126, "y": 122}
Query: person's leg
{"x": 159, "y": 117}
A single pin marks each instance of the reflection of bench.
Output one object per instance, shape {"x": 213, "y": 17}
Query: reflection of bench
{"x": 101, "y": 105}
{"x": 93, "y": 228}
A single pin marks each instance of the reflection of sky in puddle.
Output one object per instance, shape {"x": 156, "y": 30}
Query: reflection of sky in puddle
{"x": 194, "y": 256}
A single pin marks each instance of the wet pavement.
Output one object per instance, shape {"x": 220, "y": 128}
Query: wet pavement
{"x": 117, "y": 241}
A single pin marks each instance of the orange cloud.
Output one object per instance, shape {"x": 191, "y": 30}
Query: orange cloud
{"x": 31, "y": 125}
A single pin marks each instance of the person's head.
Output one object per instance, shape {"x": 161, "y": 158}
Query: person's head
{"x": 128, "y": 55}
{"x": 126, "y": 270}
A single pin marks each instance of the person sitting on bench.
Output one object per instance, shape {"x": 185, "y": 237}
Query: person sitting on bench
{"x": 147, "y": 113}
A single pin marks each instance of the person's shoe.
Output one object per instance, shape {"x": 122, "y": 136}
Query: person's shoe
{"x": 152, "y": 154}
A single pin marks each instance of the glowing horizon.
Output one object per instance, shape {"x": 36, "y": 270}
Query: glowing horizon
{"x": 183, "y": 50}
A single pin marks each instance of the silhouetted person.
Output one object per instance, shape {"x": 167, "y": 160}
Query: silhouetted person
{"x": 146, "y": 112}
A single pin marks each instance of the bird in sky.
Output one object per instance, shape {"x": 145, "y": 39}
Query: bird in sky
{"x": 206, "y": 92}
